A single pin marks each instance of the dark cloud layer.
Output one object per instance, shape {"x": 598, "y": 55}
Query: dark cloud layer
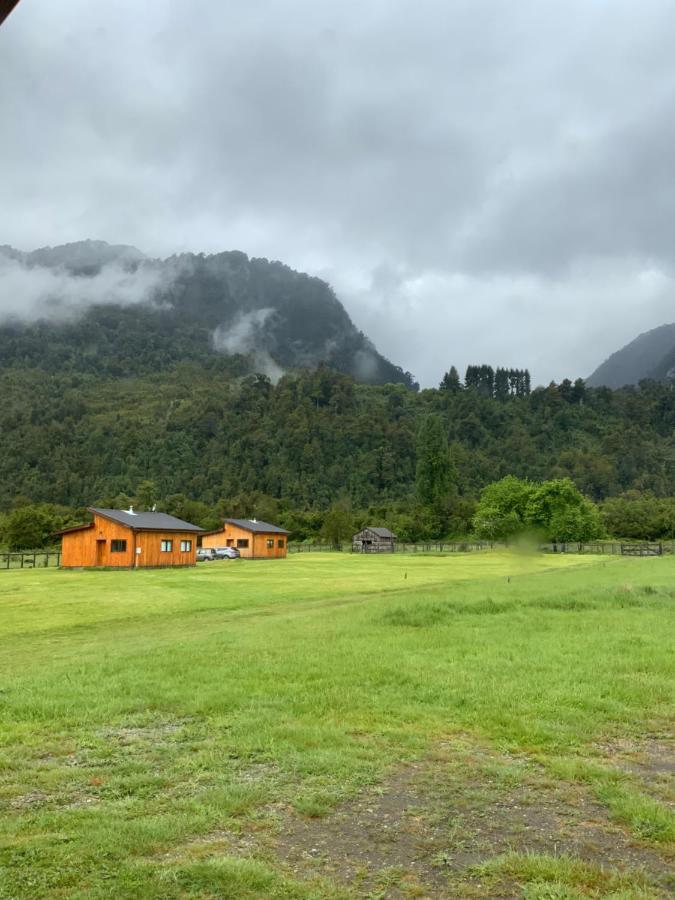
{"x": 479, "y": 180}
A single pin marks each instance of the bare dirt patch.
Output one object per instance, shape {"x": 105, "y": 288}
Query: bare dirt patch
{"x": 160, "y": 731}
{"x": 30, "y": 800}
{"x": 652, "y": 758}
{"x": 424, "y": 829}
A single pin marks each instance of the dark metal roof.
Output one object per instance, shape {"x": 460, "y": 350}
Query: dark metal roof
{"x": 257, "y": 526}
{"x": 380, "y": 532}
{"x": 145, "y": 521}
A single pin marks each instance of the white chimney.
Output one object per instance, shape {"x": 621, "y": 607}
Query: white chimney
{"x": 130, "y": 511}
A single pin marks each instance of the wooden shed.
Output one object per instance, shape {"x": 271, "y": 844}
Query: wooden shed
{"x": 252, "y": 538}
{"x": 125, "y": 539}
{"x": 374, "y": 540}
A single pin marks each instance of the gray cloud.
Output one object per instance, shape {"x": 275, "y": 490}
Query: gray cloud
{"x": 479, "y": 180}
{"x": 246, "y": 335}
{"x": 29, "y": 293}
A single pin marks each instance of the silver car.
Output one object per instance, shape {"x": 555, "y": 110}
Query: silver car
{"x": 227, "y": 553}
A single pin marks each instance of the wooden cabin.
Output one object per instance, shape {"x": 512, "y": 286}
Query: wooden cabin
{"x": 252, "y": 538}
{"x": 374, "y": 540}
{"x": 124, "y": 539}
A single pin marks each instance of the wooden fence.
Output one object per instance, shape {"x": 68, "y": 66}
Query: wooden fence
{"x": 426, "y": 547}
{"x": 445, "y": 547}
{"x": 312, "y": 548}
{"x": 39, "y": 559}
{"x": 615, "y": 548}
{"x": 642, "y": 549}
{"x": 598, "y": 548}
{"x": 42, "y": 559}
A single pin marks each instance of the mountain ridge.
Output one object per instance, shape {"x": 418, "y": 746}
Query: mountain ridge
{"x": 90, "y": 298}
{"x": 650, "y": 355}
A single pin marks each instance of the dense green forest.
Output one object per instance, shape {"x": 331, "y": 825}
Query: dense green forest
{"x": 127, "y": 379}
{"x": 203, "y": 440}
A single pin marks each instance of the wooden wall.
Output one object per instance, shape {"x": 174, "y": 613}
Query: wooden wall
{"x": 231, "y": 535}
{"x": 150, "y": 543}
{"x": 368, "y": 541}
{"x": 92, "y": 547}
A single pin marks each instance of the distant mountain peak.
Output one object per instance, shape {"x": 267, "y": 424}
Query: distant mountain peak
{"x": 98, "y": 301}
{"x": 650, "y": 355}
{"x": 79, "y": 257}
{"x": 85, "y": 255}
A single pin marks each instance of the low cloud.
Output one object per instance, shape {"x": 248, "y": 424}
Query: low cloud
{"x": 29, "y": 293}
{"x": 246, "y": 335}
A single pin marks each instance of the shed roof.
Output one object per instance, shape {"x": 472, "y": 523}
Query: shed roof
{"x": 256, "y": 526}
{"x": 380, "y": 532}
{"x": 145, "y": 521}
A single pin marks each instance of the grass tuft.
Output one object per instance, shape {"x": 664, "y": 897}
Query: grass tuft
{"x": 645, "y": 816}
{"x": 546, "y": 876}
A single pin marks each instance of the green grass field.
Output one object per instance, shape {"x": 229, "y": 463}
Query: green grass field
{"x": 479, "y": 725}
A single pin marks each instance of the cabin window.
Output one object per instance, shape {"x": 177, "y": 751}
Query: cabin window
{"x": 185, "y": 546}
{"x": 270, "y": 543}
{"x": 280, "y": 543}
{"x": 242, "y": 542}
{"x": 118, "y": 546}
{"x": 167, "y": 546}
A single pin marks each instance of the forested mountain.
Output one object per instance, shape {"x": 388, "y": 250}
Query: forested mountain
{"x": 91, "y": 307}
{"x": 651, "y": 355}
{"x": 124, "y": 378}
{"x": 665, "y": 370}
{"x": 244, "y": 446}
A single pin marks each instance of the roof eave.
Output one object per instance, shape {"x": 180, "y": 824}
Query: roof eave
{"x": 194, "y": 530}
{"x": 74, "y": 528}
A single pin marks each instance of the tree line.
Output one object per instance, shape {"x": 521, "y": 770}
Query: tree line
{"x": 204, "y": 442}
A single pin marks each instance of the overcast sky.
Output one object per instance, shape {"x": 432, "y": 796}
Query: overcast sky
{"x": 480, "y": 180}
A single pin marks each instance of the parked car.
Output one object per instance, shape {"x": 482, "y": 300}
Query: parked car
{"x": 204, "y": 554}
{"x": 227, "y": 553}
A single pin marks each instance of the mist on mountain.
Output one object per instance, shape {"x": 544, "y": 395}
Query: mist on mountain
{"x": 94, "y": 305}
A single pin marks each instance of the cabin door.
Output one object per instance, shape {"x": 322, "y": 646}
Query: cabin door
{"x": 100, "y": 552}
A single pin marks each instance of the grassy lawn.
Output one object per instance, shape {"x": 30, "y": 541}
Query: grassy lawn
{"x": 330, "y": 725}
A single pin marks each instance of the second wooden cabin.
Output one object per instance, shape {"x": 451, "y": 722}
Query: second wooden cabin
{"x": 252, "y": 538}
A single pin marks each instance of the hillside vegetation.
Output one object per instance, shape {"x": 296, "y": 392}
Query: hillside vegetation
{"x": 197, "y": 434}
